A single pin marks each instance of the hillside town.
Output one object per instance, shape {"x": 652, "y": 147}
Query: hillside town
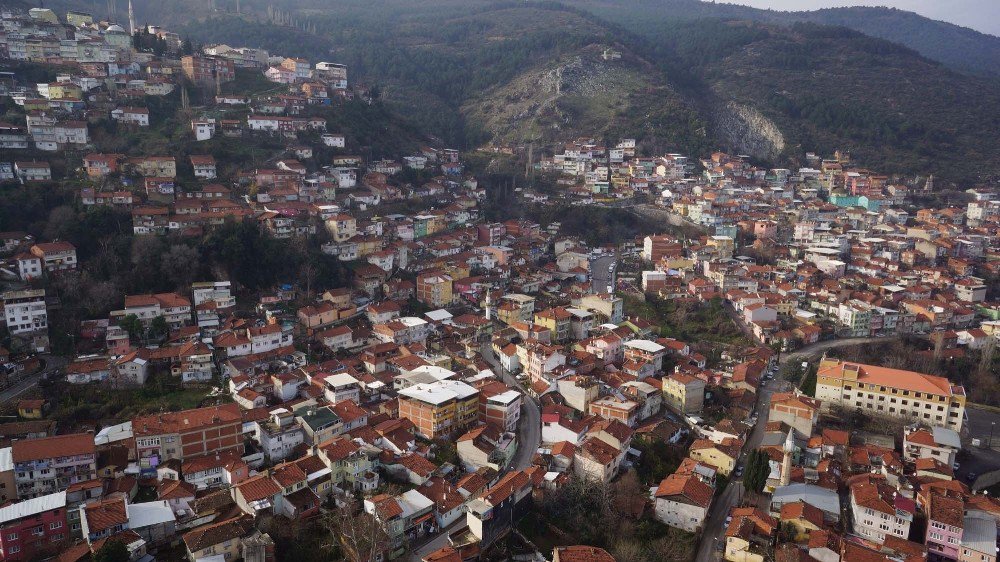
{"x": 790, "y": 364}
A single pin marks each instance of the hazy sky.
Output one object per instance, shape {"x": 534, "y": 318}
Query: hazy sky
{"x": 981, "y": 15}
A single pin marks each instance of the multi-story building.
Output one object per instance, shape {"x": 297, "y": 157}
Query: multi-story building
{"x": 208, "y": 70}
{"x": 655, "y": 247}
{"x": 25, "y": 312}
{"x": 55, "y": 256}
{"x": 683, "y": 501}
{"x": 945, "y": 521}
{"x": 33, "y": 528}
{"x": 645, "y": 351}
{"x": 797, "y": 410}
{"x": 557, "y": 320}
{"x": 856, "y": 317}
{"x": 186, "y": 434}
{"x": 174, "y": 308}
{"x": 435, "y": 289}
{"x": 50, "y": 464}
{"x": 882, "y": 391}
{"x": 684, "y": 393}
{"x": 502, "y": 409}
{"x": 441, "y": 408}
{"x": 606, "y": 305}
{"x": 879, "y": 510}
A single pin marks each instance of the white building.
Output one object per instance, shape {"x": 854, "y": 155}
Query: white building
{"x": 878, "y": 510}
{"x": 25, "y": 312}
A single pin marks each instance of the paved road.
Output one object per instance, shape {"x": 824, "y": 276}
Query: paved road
{"x": 529, "y": 428}
{"x": 714, "y": 526}
{"x": 52, "y": 362}
{"x": 601, "y": 278}
{"x": 439, "y": 541}
{"x": 812, "y": 351}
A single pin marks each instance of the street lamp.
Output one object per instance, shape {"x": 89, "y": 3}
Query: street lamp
{"x": 992, "y": 426}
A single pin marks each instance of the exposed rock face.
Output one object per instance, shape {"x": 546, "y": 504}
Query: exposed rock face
{"x": 748, "y": 131}
{"x": 580, "y": 94}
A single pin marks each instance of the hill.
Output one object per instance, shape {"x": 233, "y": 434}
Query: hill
{"x": 476, "y": 72}
{"x": 958, "y": 47}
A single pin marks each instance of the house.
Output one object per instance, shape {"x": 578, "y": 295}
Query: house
{"x": 32, "y": 171}
{"x": 802, "y": 517}
{"x": 935, "y": 442}
{"x": 408, "y": 516}
{"x": 683, "y": 502}
{"x": 580, "y": 553}
{"x": 721, "y": 455}
{"x": 878, "y": 510}
{"x": 137, "y": 116}
{"x": 55, "y": 256}
{"x": 945, "y": 522}
{"x": 224, "y": 539}
{"x": 486, "y": 446}
{"x": 597, "y": 460}
{"x": 204, "y": 166}
{"x": 493, "y": 513}
{"x": 750, "y": 535}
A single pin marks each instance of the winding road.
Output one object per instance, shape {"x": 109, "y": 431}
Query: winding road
{"x": 52, "y": 362}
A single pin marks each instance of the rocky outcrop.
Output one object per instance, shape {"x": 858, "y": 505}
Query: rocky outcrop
{"x": 748, "y": 131}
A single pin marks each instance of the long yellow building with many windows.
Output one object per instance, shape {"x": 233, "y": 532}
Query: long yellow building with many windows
{"x": 881, "y": 391}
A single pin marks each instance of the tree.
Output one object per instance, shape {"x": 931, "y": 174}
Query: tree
{"x": 112, "y": 551}
{"x": 757, "y": 469}
{"x": 158, "y": 328}
{"x": 808, "y": 386}
{"x": 133, "y": 326}
{"x": 180, "y": 264}
{"x": 362, "y": 535}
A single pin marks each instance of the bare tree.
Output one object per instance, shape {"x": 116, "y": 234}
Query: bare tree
{"x": 361, "y": 535}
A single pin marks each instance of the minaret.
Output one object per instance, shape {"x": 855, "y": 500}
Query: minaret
{"x": 786, "y": 462}
{"x": 131, "y": 19}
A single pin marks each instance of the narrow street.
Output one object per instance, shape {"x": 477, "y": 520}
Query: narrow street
{"x": 529, "y": 427}
{"x": 52, "y": 362}
{"x": 715, "y": 525}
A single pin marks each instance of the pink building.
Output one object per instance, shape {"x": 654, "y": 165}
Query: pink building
{"x": 765, "y": 229}
{"x": 33, "y": 528}
{"x": 609, "y": 348}
{"x": 945, "y": 522}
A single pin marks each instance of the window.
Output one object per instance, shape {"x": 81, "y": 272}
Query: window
{"x": 12, "y": 536}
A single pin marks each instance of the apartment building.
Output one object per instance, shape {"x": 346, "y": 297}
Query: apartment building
{"x": 25, "y": 312}
{"x": 33, "y": 528}
{"x": 684, "y": 393}
{"x": 186, "y": 434}
{"x": 435, "y": 289}
{"x": 50, "y": 464}
{"x": 882, "y": 391}
{"x": 878, "y": 510}
{"x": 55, "y": 256}
{"x": 441, "y": 408}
